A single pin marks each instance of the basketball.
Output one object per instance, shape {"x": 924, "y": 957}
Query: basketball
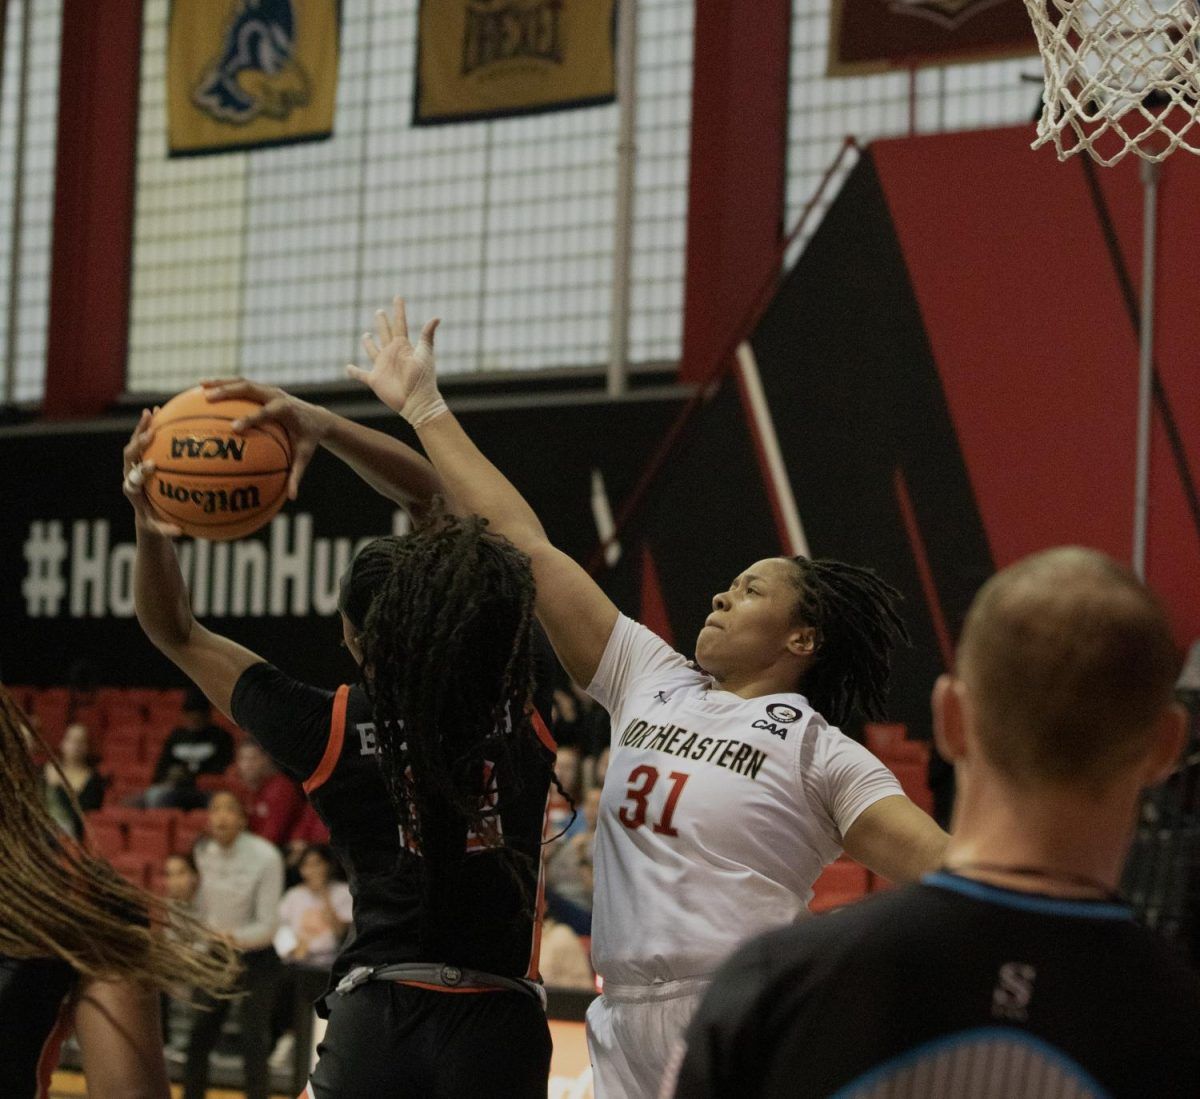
{"x": 209, "y": 481}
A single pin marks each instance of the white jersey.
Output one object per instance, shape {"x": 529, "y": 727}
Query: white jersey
{"x": 718, "y": 812}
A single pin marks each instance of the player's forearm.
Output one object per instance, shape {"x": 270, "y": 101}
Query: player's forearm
{"x": 391, "y": 468}
{"x": 160, "y": 596}
{"x": 476, "y": 485}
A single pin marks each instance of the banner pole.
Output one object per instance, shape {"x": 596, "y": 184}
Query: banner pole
{"x": 1141, "y": 489}
{"x": 618, "y": 331}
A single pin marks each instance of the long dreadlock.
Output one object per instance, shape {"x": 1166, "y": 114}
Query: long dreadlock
{"x": 857, "y": 625}
{"x": 59, "y": 901}
{"x": 448, "y": 663}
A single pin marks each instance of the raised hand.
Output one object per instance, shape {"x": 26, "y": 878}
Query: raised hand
{"x": 402, "y": 376}
{"x": 306, "y": 424}
{"x": 135, "y": 471}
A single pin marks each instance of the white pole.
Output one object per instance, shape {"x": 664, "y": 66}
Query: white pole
{"x": 618, "y": 331}
{"x": 1141, "y": 489}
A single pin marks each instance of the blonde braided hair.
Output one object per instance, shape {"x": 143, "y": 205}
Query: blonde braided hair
{"x": 61, "y": 901}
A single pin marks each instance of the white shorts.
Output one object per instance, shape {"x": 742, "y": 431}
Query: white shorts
{"x": 634, "y": 1034}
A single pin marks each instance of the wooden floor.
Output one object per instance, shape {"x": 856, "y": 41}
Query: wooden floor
{"x": 70, "y": 1084}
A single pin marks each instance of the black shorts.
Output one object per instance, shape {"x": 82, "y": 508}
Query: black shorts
{"x": 391, "y": 1040}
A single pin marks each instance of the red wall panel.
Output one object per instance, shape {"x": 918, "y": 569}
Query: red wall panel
{"x": 1035, "y": 348}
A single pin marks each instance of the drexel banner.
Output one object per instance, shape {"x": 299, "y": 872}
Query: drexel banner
{"x": 872, "y": 35}
{"x": 479, "y": 59}
{"x": 242, "y": 74}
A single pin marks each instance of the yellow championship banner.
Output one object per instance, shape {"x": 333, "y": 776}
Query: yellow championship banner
{"x": 242, "y": 74}
{"x": 480, "y": 59}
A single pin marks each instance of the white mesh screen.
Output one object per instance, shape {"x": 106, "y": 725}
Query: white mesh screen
{"x": 270, "y": 263}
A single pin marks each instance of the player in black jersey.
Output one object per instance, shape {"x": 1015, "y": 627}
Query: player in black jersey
{"x": 432, "y": 776}
{"x": 77, "y": 950}
{"x": 1017, "y": 971}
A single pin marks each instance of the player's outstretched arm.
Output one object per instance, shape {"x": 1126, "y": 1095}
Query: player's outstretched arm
{"x": 386, "y": 464}
{"x": 212, "y": 662}
{"x": 577, "y": 615}
{"x": 896, "y": 839}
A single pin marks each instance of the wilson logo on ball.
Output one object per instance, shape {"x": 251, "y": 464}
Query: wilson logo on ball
{"x": 211, "y": 501}
{"x": 211, "y": 446}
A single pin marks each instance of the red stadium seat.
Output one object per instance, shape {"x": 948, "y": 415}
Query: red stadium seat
{"x": 121, "y": 754}
{"x": 133, "y": 868}
{"x": 107, "y": 836}
{"x": 880, "y": 735}
{"x": 841, "y": 882}
{"x": 186, "y": 835}
{"x": 906, "y": 751}
{"x": 915, "y": 783}
{"x": 151, "y": 837}
{"x": 120, "y": 790}
{"x": 122, "y": 815}
{"x": 133, "y": 772}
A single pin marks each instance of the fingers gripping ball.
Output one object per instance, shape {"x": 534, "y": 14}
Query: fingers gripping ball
{"x": 209, "y": 481}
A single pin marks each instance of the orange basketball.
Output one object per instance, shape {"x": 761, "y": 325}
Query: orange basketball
{"x": 209, "y": 481}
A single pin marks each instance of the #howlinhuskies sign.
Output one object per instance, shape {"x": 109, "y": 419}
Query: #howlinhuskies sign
{"x": 871, "y": 35}
{"x": 479, "y": 59}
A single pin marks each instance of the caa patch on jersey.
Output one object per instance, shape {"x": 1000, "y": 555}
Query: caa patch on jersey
{"x": 779, "y": 716}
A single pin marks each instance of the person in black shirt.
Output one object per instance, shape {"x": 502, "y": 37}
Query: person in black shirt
{"x": 1016, "y": 970}
{"x": 81, "y": 948}
{"x": 196, "y": 744}
{"x": 432, "y": 776}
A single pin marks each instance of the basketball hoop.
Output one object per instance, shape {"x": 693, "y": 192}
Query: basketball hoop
{"x": 1121, "y": 76}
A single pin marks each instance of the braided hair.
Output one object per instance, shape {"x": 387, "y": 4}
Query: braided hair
{"x": 853, "y": 612}
{"x": 61, "y": 901}
{"x": 445, "y": 621}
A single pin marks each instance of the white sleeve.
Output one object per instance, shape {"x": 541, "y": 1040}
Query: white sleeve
{"x": 850, "y": 778}
{"x": 633, "y": 653}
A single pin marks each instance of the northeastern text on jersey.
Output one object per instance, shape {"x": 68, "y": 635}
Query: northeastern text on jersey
{"x": 733, "y": 755}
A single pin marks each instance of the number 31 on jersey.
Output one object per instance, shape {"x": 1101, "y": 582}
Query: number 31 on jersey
{"x": 642, "y": 781}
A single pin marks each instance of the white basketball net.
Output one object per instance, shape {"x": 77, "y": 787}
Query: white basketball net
{"x": 1121, "y": 76}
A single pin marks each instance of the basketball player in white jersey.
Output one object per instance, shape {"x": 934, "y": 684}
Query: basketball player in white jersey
{"x": 728, "y": 789}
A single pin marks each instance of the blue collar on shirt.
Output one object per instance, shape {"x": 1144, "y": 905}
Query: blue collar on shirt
{"x": 1027, "y": 902}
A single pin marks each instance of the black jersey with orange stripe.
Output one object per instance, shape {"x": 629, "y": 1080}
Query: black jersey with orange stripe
{"x": 35, "y": 1010}
{"x": 480, "y": 916}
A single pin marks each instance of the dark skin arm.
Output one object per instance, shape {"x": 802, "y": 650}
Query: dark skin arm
{"x": 389, "y": 466}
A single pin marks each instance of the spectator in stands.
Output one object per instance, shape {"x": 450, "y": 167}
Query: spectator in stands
{"x": 74, "y": 774}
{"x": 564, "y": 799}
{"x": 1018, "y": 962}
{"x": 177, "y": 791}
{"x": 569, "y": 866}
{"x": 597, "y": 767}
{"x": 276, "y": 804}
{"x": 314, "y": 915}
{"x": 313, "y": 919}
{"x": 309, "y": 829}
{"x": 241, "y": 883}
{"x": 564, "y": 960}
{"x": 181, "y": 880}
{"x": 197, "y": 744}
